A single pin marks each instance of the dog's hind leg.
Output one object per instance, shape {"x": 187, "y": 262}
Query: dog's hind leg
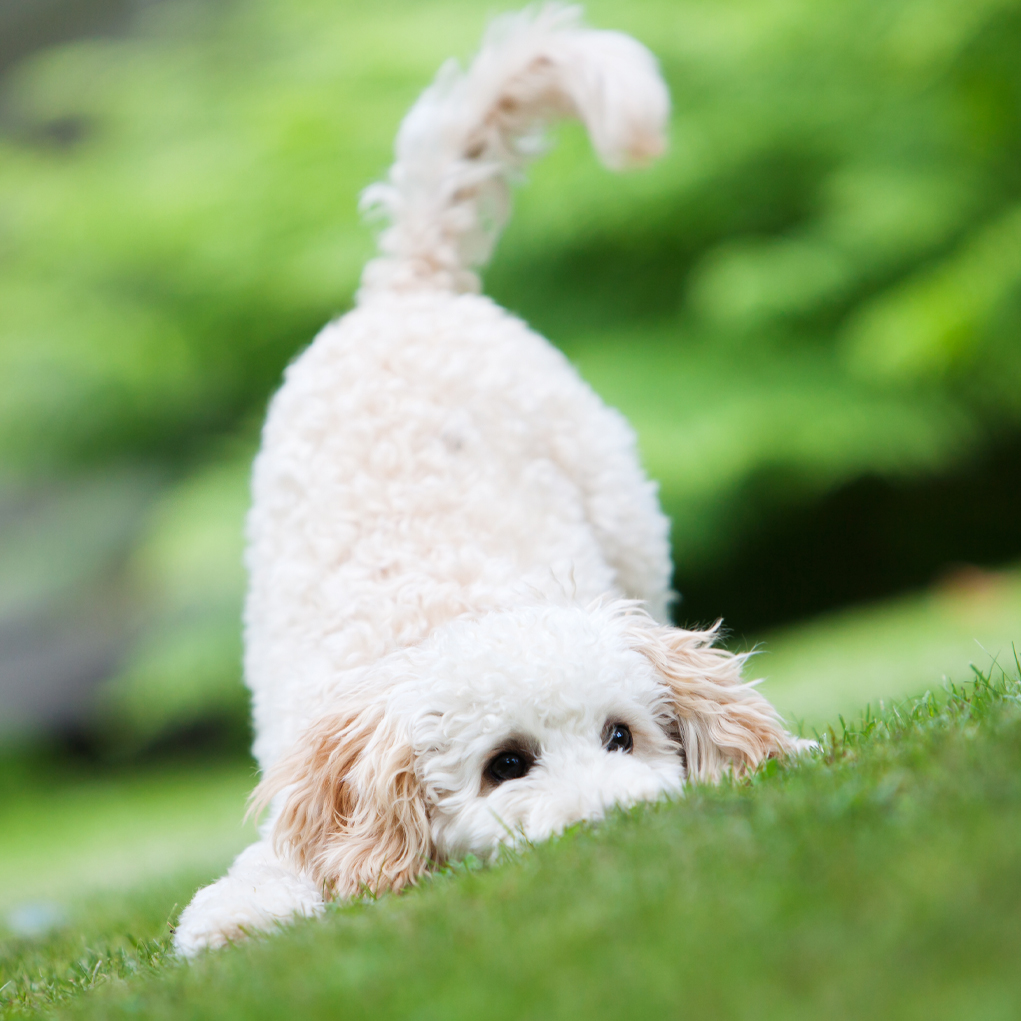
{"x": 258, "y": 893}
{"x": 597, "y": 448}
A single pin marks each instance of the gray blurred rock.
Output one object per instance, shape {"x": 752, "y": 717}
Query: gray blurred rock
{"x": 28, "y": 25}
{"x": 37, "y": 919}
{"x": 66, "y": 609}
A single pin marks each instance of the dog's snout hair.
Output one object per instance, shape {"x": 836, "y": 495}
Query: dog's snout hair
{"x": 584, "y": 783}
{"x": 456, "y": 626}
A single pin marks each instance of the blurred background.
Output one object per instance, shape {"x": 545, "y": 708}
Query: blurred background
{"x": 810, "y": 310}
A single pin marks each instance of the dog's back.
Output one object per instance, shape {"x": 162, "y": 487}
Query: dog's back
{"x": 429, "y": 456}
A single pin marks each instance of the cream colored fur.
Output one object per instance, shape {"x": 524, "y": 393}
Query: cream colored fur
{"x": 451, "y": 538}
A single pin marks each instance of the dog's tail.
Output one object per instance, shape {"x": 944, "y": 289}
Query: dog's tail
{"x": 448, "y": 192}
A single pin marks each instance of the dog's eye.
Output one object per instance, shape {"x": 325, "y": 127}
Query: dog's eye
{"x": 508, "y": 766}
{"x": 619, "y": 739}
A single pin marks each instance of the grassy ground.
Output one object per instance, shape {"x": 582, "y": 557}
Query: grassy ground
{"x": 843, "y": 661}
{"x": 68, "y": 838}
{"x": 94, "y": 866}
{"x": 879, "y": 878}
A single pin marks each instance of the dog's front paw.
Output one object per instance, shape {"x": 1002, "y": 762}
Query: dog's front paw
{"x": 243, "y": 902}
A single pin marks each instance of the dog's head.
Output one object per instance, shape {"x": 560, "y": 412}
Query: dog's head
{"x": 512, "y": 727}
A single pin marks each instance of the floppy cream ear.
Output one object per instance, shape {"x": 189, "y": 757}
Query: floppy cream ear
{"x": 353, "y": 810}
{"x": 724, "y": 723}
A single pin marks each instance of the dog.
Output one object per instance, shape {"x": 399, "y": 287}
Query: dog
{"x": 456, "y": 629}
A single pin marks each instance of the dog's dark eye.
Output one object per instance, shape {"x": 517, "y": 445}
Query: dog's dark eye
{"x": 620, "y": 739}
{"x": 508, "y": 766}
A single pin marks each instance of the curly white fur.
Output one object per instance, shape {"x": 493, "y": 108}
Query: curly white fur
{"x": 448, "y": 191}
{"x": 451, "y": 533}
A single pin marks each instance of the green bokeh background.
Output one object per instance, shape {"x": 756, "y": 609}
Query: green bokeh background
{"x": 809, "y": 309}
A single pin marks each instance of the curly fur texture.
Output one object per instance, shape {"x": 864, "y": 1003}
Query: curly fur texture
{"x": 448, "y": 192}
{"x": 453, "y": 551}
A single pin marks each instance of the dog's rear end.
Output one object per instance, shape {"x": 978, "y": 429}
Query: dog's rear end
{"x": 429, "y": 456}
{"x": 450, "y": 535}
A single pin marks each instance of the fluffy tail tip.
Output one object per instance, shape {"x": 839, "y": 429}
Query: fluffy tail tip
{"x": 471, "y": 132}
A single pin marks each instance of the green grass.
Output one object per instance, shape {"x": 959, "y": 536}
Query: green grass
{"x": 879, "y": 878}
{"x": 112, "y": 936}
{"x": 111, "y": 856}
{"x": 863, "y": 655}
{"x": 68, "y": 839}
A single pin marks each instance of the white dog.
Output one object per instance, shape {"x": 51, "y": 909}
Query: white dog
{"x": 451, "y": 538}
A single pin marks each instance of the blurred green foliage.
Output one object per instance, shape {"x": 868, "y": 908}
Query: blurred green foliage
{"x": 178, "y": 207}
{"x": 821, "y": 280}
{"x": 184, "y": 670}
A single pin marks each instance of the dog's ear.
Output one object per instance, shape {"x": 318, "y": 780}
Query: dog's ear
{"x": 352, "y": 810}
{"x": 723, "y": 724}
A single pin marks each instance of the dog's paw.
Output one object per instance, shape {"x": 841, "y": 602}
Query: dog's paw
{"x": 245, "y": 901}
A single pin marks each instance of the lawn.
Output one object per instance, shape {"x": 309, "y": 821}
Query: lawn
{"x": 879, "y": 877}
{"x": 67, "y": 834}
{"x": 838, "y": 663}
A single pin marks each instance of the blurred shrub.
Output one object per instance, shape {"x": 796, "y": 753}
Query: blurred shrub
{"x": 821, "y": 280}
{"x": 178, "y": 208}
{"x": 185, "y": 670}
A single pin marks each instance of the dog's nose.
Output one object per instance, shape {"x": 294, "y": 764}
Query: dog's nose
{"x": 584, "y": 787}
